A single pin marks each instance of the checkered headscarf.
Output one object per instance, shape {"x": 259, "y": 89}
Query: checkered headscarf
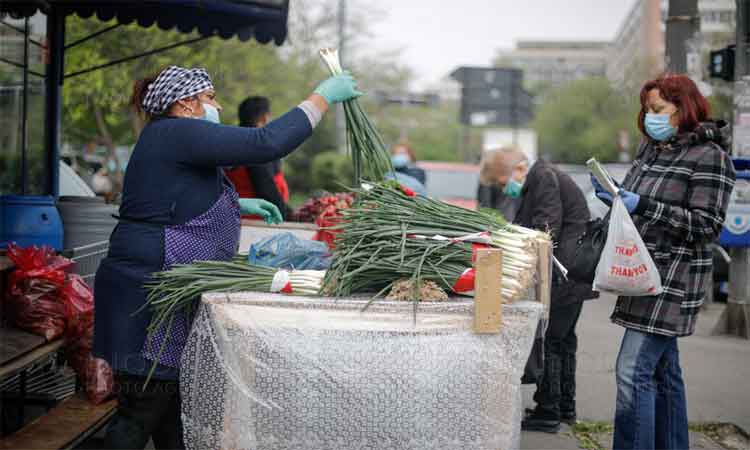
{"x": 172, "y": 84}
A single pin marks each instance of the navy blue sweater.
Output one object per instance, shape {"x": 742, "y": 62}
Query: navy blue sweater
{"x": 173, "y": 176}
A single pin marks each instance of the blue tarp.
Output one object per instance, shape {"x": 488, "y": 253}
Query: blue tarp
{"x": 263, "y": 20}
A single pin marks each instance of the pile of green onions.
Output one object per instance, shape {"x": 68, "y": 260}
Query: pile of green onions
{"x": 178, "y": 289}
{"x": 369, "y": 153}
{"x": 389, "y": 235}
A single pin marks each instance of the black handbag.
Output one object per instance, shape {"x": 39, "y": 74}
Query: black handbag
{"x": 588, "y": 249}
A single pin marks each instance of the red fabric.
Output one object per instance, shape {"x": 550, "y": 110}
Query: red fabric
{"x": 240, "y": 178}
{"x": 281, "y": 185}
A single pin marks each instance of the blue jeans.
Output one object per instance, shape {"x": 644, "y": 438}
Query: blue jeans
{"x": 651, "y": 410}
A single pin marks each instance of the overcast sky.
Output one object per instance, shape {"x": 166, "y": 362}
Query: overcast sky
{"x": 439, "y": 35}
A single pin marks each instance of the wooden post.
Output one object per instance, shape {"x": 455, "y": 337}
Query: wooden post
{"x": 544, "y": 275}
{"x": 488, "y": 302}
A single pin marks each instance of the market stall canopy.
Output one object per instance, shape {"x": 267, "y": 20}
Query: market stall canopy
{"x": 264, "y": 20}
{"x": 244, "y": 19}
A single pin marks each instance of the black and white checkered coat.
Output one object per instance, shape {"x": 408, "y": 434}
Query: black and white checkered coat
{"x": 684, "y": 184}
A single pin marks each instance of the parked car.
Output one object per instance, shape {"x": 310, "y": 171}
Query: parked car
{"x": 454, "y": 183}
{"x": 71, "y": 184}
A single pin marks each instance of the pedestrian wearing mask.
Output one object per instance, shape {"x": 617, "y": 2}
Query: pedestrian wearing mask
{"x": 404, "y": 161}
{"x": 549, "y": 201}
{"x": 677, "y": 193}
{"x": 178, "y": 207}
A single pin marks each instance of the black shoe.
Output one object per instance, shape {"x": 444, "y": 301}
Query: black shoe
{"x": 569, "y": 418}
{"x": 534, "y": 422}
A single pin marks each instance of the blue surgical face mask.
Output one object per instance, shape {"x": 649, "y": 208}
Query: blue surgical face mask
{"x": 658, "y": 126}
{"x": 210, "y": 113}
{"x": 400, "y": 160}
{"x": 513, "y": 188}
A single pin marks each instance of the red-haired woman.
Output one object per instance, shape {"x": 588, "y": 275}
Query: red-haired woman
{"x": 677, "y": 193}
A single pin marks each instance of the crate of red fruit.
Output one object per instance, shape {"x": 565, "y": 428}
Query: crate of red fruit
{"x": 325, "y": 211}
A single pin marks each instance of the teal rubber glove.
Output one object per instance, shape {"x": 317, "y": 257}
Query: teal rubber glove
{"x": 338, "y": 88}
{"x": 259, "y": 207}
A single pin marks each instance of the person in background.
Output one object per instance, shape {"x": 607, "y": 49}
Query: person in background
{"x": 101, "y": 184}
{"x": 405, "y": 171}
{"x": 404, "y": 161}
{"x": 489, "y": 194}
{"x": 550, "y": 201}
{"x": 676, "y": 192}
{"x": 264, "y": 181}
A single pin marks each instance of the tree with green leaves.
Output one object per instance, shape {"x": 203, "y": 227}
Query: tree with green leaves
{"x": 584, "y": 119}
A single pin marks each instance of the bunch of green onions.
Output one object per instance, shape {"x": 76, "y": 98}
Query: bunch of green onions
{"x": 177, "y": 290}
{"x": 370, "y": 156}
{"x": 389, "y": 235}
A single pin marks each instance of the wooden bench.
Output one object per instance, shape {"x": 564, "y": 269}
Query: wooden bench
{"x": 64, "y": 426}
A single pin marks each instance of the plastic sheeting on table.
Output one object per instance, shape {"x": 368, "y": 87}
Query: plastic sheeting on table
{"x": 271, "y": 372}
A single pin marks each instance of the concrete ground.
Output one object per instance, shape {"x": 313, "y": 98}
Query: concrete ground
{"x": 716, "y": 371}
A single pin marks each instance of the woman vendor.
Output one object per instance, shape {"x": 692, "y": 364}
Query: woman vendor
{"x": 178, "y": 207}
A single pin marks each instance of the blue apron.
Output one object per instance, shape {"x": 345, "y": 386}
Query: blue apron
{"x": 120, "y": 337}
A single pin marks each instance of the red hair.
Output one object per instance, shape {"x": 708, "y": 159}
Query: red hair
{"x": 692, "y": 106}
{"x": 407, "y": 147}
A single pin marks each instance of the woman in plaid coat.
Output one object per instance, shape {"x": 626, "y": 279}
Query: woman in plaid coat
{"x": 677, "y": 193}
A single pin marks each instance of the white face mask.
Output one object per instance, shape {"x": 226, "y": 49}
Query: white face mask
{"x": 210, "y": 113}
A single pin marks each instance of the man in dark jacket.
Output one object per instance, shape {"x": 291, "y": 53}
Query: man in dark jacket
{"x": 551, "y": 201}
{"x": 258, "y": 181}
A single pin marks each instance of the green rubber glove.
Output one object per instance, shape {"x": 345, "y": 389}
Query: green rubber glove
{"x": 338, "y": 88}
{"x": 259, "y": 207}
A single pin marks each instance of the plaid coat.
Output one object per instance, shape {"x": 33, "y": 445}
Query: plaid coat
{"x": 684, "y": 185}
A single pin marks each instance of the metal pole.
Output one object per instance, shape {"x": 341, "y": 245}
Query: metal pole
{"x": 340, "y": 119}
{"x": 738, "y": 302}
{"x": 741, "y": 61}
{"x": 683, "y": 22}
{"x": 514, "y": 111}
{"x": 25, "y": 110}
{"x": 53, "y": 97}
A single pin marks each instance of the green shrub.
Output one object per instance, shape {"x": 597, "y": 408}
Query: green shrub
{"x": 331, "y": 170}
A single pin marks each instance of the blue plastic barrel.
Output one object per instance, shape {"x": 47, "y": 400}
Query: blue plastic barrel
{"x": 30, "y": 220}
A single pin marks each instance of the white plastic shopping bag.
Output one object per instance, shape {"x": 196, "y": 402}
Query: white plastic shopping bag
{"x": 625, "y": 267}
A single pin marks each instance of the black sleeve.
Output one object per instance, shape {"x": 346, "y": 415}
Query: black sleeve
{"x": 484, "y": 196}
{"x": 262, "y": 177}
{"x": 548, "y": 210}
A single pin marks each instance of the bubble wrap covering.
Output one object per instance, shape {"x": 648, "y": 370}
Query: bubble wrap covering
{"x": 271, "y": 372}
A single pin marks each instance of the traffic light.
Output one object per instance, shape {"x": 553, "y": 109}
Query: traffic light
{"x": 721, "y": 63}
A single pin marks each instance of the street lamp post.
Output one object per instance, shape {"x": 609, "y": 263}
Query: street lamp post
{"x": 737, "y": 314}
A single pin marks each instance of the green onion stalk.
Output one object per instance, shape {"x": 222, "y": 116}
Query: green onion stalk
{"x": 178, "y": 289}
{"x": 370, "y": 156}
{"x": 389, "y": 235}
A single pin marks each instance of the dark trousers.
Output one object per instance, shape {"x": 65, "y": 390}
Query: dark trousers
{"x": 556, "y": 392}
{"x": 143, "y": 414}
